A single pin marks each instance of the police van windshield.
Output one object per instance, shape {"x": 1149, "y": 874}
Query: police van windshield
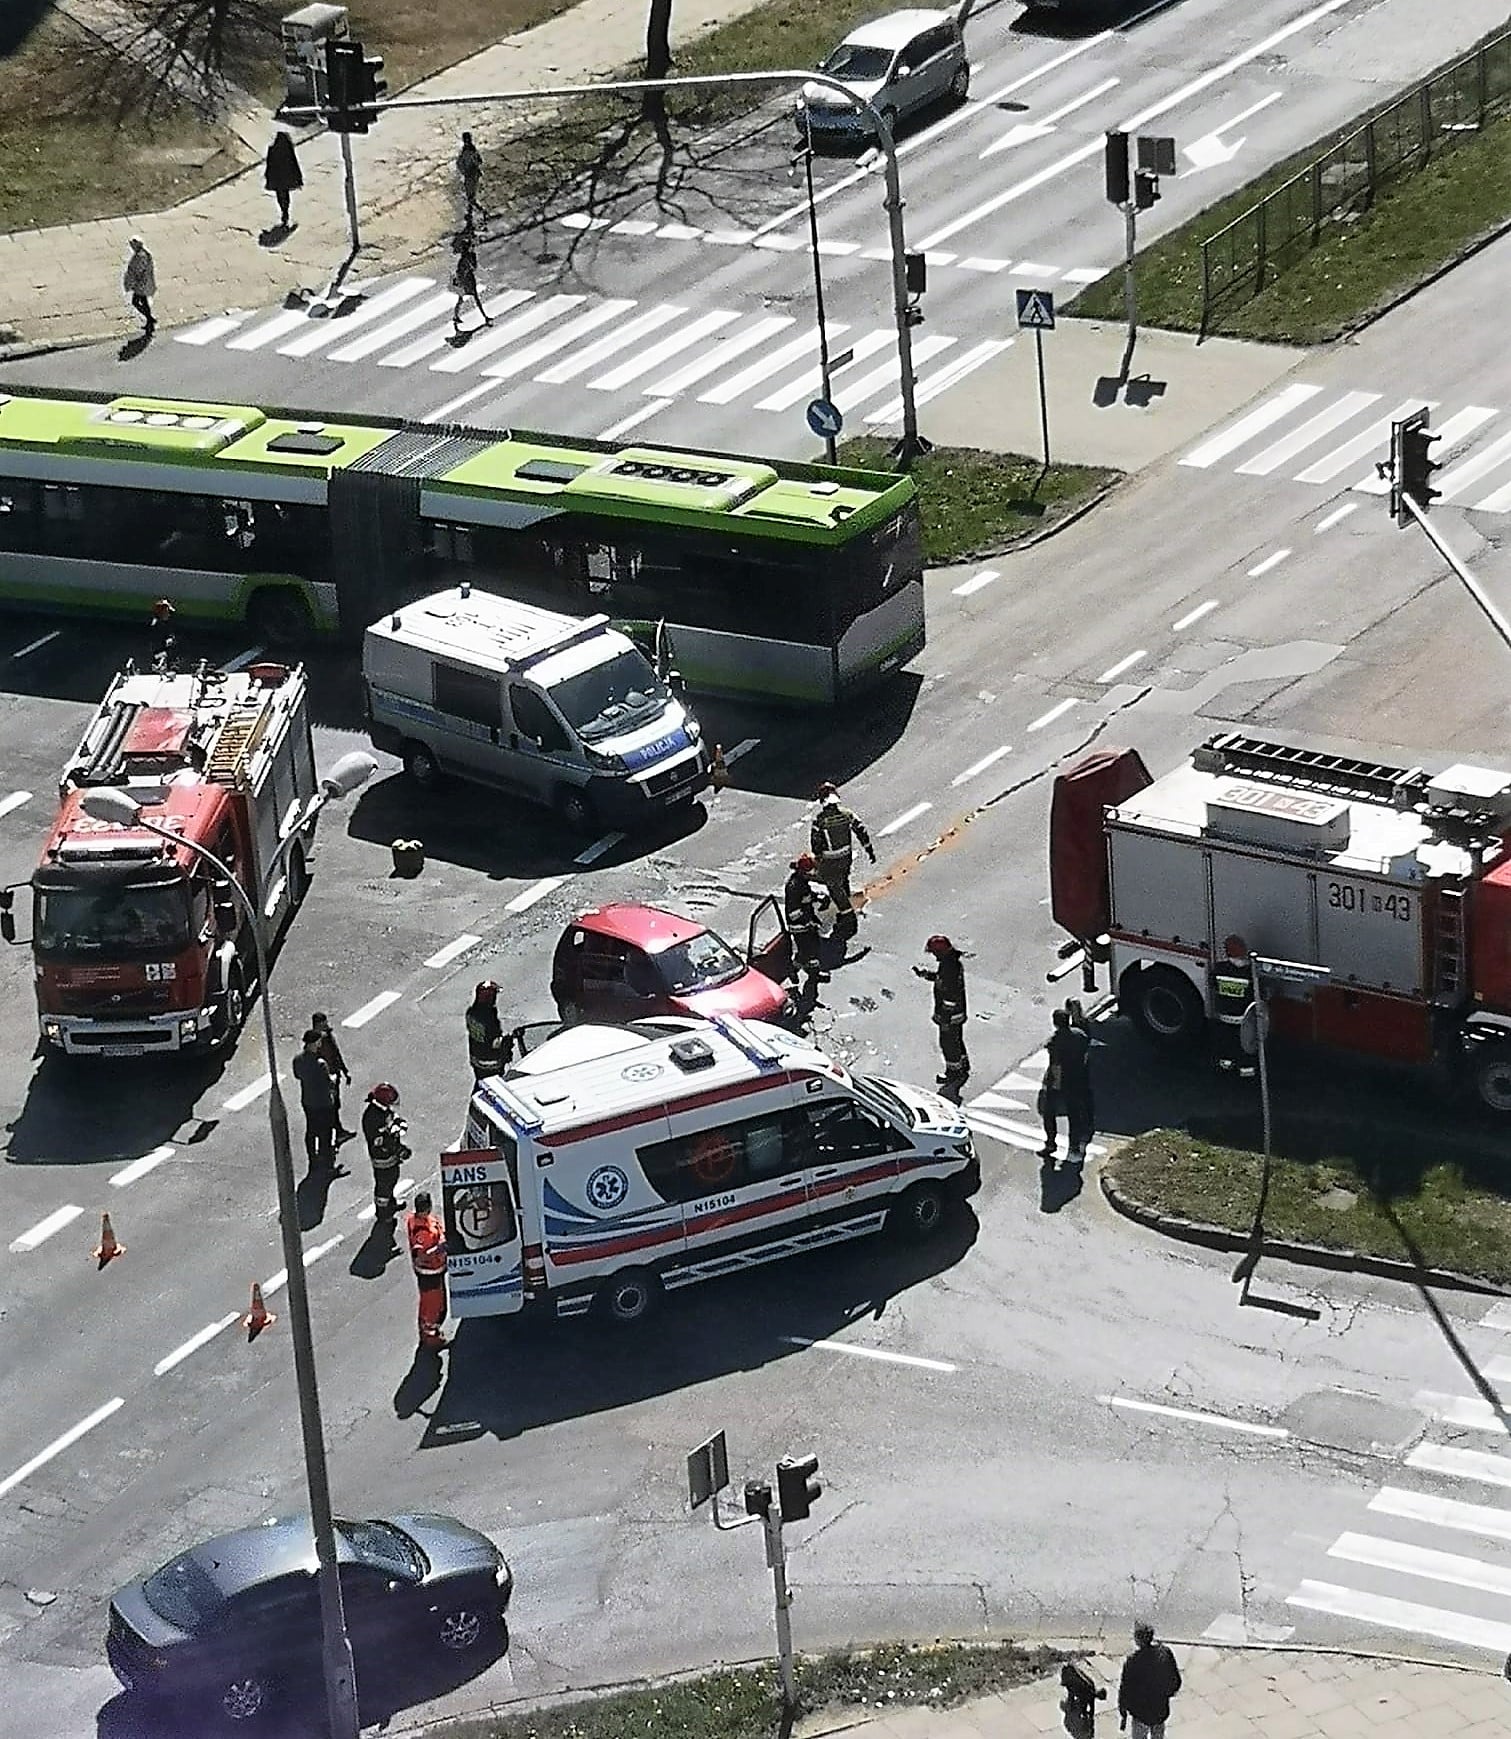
{"x": 118, "y": 918}
{"x": 610, "y": 697}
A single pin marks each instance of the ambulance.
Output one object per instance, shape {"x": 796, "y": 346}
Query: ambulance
{"x": 613, "y": 1164}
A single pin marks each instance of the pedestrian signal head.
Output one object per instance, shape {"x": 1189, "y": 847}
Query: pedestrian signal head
{"x": 487, "y": 991}
{"x": 798, "y": 1487}
{"x": 939, "y": 946}
{"x": 385, "y": 1093}
{"x": 804, "y": 863}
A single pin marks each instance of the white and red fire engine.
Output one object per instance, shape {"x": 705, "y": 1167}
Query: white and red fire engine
{"x": 138, "y": 946}
{"x": 1395, "y": 880}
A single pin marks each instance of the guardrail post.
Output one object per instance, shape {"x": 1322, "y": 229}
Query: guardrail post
{"x": 1482, "y": 84}
{"x": 1369, "y": 164}
{"x": 1206, "y": 288}
{"x": 1316, "y": 201}
{"x": 1259, "y": 245}
{"x": 1426, "y": 122}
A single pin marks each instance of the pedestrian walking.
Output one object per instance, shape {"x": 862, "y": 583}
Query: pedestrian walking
{"x": 1150, "y": 1679}
{"x": 282, "y": 175}
{"x": 384, "y": 1131}
{"x": 317, "y": 1099}
{"x": 487, "y": 1049}
{"x": 1067, "y": 1084}
{"x": 426, "y": 1237}
{"x": 832, "y": 840}
{"x": 464, "y": 281}
{"x": 139, "y": 281}
{"x": 469, "y": 168}
{"x": 162, "y": 638}
{"x": 947, "y": 975}
{"x": 801, "y": 912}
{"x": 330, "y": 1055}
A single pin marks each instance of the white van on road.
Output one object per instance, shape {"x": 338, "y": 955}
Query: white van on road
{"x": 560, "y": 710}
{"x": 613, "y": 1163}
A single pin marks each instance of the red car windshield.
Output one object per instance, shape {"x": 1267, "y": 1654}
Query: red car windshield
{"x": 704, "y": 963}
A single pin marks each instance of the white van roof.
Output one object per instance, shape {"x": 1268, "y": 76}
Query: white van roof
{"x": 483, "y": 629}
{"x": 595, "y": 1074}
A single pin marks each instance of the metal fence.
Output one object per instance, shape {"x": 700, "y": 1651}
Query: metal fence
{"x": 1293, "y": 218}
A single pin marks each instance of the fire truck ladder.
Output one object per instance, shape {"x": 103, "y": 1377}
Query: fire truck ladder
{"x": 238, "y": 737}
{"x": 1336, "y": 775}
{"x": 1449, "y": 913}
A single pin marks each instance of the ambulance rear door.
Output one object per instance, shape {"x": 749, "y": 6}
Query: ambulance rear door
{"x": 484, "y": 1236}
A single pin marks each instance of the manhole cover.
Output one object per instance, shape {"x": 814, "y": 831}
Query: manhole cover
{"x": 1344, "y": 1419}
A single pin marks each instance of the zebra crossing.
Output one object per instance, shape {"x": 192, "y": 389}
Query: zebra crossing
{"x": 1316, "y": 435}
{"x": 656, "y": 352}
{"x": 996, "y": 1113}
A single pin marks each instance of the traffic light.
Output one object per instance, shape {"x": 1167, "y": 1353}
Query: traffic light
{"x": 757, "y": 1497}
{"x": 1117, "y": 168}
{"x": 1417, "y": 467}
{"x": 371, "y": 88}
{"x": 1145, "y": 189}
{"x": 352, "y": 85}
{"x": 798, "y": 1487}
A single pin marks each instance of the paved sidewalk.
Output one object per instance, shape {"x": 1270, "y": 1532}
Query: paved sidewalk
{"x": 1233, "y": 1693}
{"x": 64, "y": 284}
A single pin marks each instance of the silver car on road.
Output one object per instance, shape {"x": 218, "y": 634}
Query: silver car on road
{"x": 901, "y": 63}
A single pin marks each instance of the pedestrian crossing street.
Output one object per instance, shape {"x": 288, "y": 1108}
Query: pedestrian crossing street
{"x": 656, "y": 353}
{"x": 1317, "y": 435}
{"x": 1007, "y": 1111}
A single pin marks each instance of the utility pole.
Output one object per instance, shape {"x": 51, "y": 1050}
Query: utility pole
{"x": 818, "y": 284}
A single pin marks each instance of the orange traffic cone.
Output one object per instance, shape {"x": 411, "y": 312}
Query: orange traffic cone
{"x": 718, "y": 772}
{"x": 259, "y": 1316}
{"x": 107, "y": 1249}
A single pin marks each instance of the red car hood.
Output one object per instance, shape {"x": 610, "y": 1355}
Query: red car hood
{"x": 751, "y": 996}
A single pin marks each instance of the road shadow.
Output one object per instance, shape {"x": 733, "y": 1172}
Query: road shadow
{"x": 509, "y": 1375}
{"x": 151, "y": 1100}
{"x": 794, "y": 758}
{"x": 1072, "y": 19}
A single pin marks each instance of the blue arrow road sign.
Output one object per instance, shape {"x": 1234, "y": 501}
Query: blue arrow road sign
{"x": 1036, "y": 310}
{"x": 824, "y": 419}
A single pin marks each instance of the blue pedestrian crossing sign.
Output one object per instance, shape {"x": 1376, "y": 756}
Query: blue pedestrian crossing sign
{"x": 824, "y": 419}
{"x": 1036, "y": 310}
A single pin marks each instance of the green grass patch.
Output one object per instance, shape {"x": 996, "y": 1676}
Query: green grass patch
{"x": 1441, "y": 1214}
{"x": 1417, "y": 225}
{"x": 973, "y": 502}
{"x": 743, "y": 1703}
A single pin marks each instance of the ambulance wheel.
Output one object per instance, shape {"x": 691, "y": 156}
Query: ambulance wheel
{"x": 920, "y": 1213}
{"x": 422, "y": 767}
{"x": 628, "y": 1296}
{"x": 1492, "y": 1077}
{"x": 1162, "y": 1003}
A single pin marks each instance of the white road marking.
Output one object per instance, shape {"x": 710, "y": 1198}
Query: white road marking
{"x": 1028, "y": 1136}
{"x": 599, "y": 848}
{"x": 1230, "y": 439}
{"x": 484, "y": 343}
{"x": 1052, "y": 120}
{"x": 275, "y": 1282}
{"x": 981, "y": 766}
{"x": 1236, "y": 1630}
{"x": 855, "y": 1352}
{"x": 1274, "y": 561}
{"x": 45, "y": 1229}
{"x": 209, "y": 330}
{"x": 1087, "y": 275}
{"x": 781, "y": 244}
{"x": 444, "y": 956}
{"x": 1457, "y": 1463}
{"x": 370, "y": 1212}
{"x": 741, "y": 749}
{"x": 58, "y": 1445}
{"x": 1192, "y": 617}
{"x": 797, "y": 350}
{"x": 967, "y": 588}
{"x": 36, "y": 645}
{"x": 1372, "y": 441}
{"x": 14, "y": 801}
{"x": 479, "y": 343}
{"x": 1113, "y": 671}
{"x": 1498, "y": 1316}
{"x": 837, "y": 250}
{"x": 808, "y": 382}
{"x": 634, "y": 419}
{"x": 679, "y": 232}
{"x": 546, "y": 885}
{"x": 1057, "y": 711}
{"x": 1281, "y": 452}
{"x": 371, "y": 1009}
{"x": 1451, "y": 434}
{"x": 633, "y": 226}
{"x": 248, "y": 1095}
{"x": 193, "y": 1344}
{"x": 976, "y": 264}
{"x": 731, "y": 238}
{"x": 1336, "y": 517}
{"x": 901, "y": 821}
{"x": 1470, "y": 1412}
{"x": 1455, "y": 482}
{"x": 1421, "y": 1561}
{"x": 570, "y": 333}
{"x": 583, "y": 220}
{"x": 652, "y": 356}
{"x": 943, "y": 378}
{"x": 128, "y": 1174}
{"x": 1492, "y": 1522}
{"x": 990, "y": 1101}
{"x": 243, "y": 659}
{"x": 725, "y": 351}
{"x": 432, "y": 308}
{"x": 285, "y": 321}
{"x": 317, "y": 1251}
{"x": 1406, "y": 1615}
{"x": 624, "y": 334}
{"x": 442, "y": 412}
{"x": 1219, "y": 1420}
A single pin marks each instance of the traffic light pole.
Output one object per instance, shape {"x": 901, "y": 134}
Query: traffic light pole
{"x": 349, "y": 181}
{"x": 1475, "y": 590}
{"x": 1130, "y": 285}
{"x": 776, "y": 1557}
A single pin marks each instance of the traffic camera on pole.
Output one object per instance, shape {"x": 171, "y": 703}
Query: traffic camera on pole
{"x": 798, "y": 1487}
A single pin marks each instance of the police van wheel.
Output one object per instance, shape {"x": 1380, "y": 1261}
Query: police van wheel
{"x": 1162, "y": 1003}
{"x": 422, "y": 767}
{"x": 920, "y": 1213}
{"x": 576, "y": 809}
{"x": 629, "y": 1296}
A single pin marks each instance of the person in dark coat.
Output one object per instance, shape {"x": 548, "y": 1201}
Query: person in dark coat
{"x": 464, "y": 281}
{"x": 1150, "y": 1679}
{"x": 1067, "y": 1083}
{"x": 282, "y": 175}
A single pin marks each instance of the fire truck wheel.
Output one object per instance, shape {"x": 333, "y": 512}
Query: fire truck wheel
{"x": 1164, "y": 1006}
{"x": 231, "y": 1010}
{"x": 628, "y": 1296}
{"x": 422, "y": 767}
{"x": 1492, "y": 1077}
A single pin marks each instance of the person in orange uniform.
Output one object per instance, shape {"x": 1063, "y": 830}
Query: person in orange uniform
{"x": 427, "y": 1254}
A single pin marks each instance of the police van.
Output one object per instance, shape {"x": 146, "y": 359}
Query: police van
{"x": 615, "y": 1163}
{"x": 560, "y": 710}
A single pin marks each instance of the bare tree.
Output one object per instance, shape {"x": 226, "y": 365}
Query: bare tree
{"x": 167, "y": 52}
{"x": 658, "y": 64}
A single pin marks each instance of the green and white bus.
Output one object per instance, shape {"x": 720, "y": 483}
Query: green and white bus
{"x": 774, "y": 580}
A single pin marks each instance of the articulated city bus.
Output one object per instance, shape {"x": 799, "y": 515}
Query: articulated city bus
{"x": 775, "y": 580}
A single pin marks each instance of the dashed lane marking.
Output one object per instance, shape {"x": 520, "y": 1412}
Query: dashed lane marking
{"x": 967, "y": 588}
{"x": 1335, "y": 517}
{"x": 14, "y": 801}
{"x": 1192, "y": 617}
{"x": 243, "y": 659}
{"x": 128, "y": 1174}
{"x": 1190, "y": 1416}
{"x": 444, "y": 956}
{"x": 897, "y": 825}
{"x": 400, "y": 1190}
{"x": 45, "y": 1229}
{"x": 69, "y": 1437}
{"x": 546, "y": 885}
{"x": 276, "y": 1282}
{"x": 634, "y": 420}
{"x": 1057, "y": 711}
{"x": 741, "y": 749}
{"x": 1113, "y": 671}
{"x": 247, "y": 1095}
{"x": 1260, "y": 569}
{"x": 192, "y": 1345}
{"x": 981, "y": 766}
{"x": 586, "y": 858}
{"x": 37, "y": 645}
{"x": 372, "y": 1008}
{"x": 855, "y": 1352}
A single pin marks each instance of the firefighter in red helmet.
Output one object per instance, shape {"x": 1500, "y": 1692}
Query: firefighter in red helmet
{"x": 947, "y": 975}
{"x": 487, "y": 1049}
{"x": 801, "y": 912}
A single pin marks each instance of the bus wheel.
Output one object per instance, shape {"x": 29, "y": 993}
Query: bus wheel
{"x": 920, "y": 1213}
{"x": 628, "y": 1296}
{"x": 280, "y": 616}
{"x": 1162, "y": 1003}
{"x": 422, "y": 767}
{"x": 1491, "y": 1074}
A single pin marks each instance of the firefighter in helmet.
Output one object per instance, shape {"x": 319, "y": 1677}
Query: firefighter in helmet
{"x": 832, "y": 840}
{"x": 383, "y": 1129}
{"x": 488, "y": 1049}
{"x": 947, "y": 975}
{"x": 801, "y": 912}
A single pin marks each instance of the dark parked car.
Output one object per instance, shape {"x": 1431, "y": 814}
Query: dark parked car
{"x": 233, "y": 1620}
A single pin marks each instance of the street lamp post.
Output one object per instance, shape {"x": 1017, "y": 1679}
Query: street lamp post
{"x": 818, "y": 282}
{"x": 116, "y": 805}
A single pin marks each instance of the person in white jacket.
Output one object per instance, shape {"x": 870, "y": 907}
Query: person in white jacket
{"x": 139, "y": 281}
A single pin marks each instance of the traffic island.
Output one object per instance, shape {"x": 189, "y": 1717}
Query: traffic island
{"x": 1432, "y": 1224}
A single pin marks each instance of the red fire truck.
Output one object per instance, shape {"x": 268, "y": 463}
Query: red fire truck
{"x": 1395, "y": 880}
{"x": 138, "y": 947}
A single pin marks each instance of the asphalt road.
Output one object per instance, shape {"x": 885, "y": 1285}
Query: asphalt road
{"x": 691, "y": 317}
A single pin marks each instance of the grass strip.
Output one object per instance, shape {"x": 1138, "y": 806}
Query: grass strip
{"x": 973, "y": 503}
{"x": 743, "y": 1703}
{"x": 1440, "y": 1214}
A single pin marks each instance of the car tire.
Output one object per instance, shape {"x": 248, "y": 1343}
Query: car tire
{"x": 247, "y": 1698}
{"x": 960, "y": 85}
{"x": 628, "y": 1297}
{"x": 280, "y": 616}
{"x": 1165, "y": 1007}
{"x": 920, "y": 1215}
{"x": 1490, "y": 1073}
{"x": 462, "y": 1628}
{"x": 575, "y": 808}
{"x": 422, "y": 767}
